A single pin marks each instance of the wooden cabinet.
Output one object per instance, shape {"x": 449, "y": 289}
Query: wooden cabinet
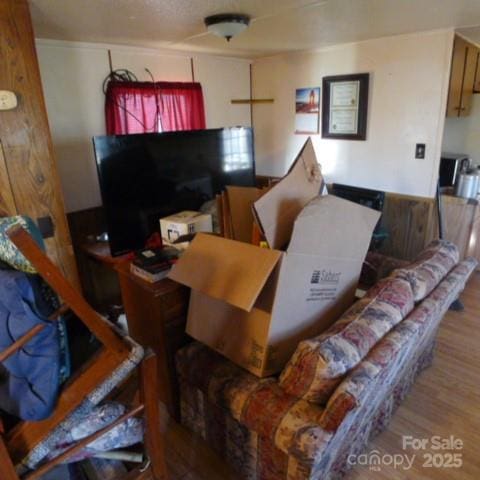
{"x": 462, "y": 78}
{"x": 476, "y": 86}
{"x": 156, "y": 317}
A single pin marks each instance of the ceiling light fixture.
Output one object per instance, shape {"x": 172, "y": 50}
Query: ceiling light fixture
{"x": 227, "y": 25}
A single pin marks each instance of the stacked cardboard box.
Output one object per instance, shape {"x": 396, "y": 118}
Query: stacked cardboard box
{"x": 183, "y": 224}
{"x": 253, "y": 304}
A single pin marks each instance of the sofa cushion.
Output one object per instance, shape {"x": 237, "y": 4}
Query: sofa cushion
{"x": 430, "y": 267}
{"x": 319, "y": 364}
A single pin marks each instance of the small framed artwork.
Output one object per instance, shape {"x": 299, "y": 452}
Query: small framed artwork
{"x": 344, "y": 106}
{"x": 307, "y": 110}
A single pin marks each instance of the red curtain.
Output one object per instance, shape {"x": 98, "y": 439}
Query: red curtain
{"x": 145, "y": 107}
{"x": 131, "y": 107}
{"x": 181, "y": 106}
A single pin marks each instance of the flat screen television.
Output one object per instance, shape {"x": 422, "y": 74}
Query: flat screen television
{"x": 366, "y": 197}
{"x": 145, "y": 177}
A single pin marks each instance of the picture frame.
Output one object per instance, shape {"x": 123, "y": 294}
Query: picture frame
{"x": 307, "y": 110}
{"x": 345, "y": 106}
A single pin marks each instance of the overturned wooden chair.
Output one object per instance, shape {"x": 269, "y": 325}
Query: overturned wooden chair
{"x": 29, "y": 442}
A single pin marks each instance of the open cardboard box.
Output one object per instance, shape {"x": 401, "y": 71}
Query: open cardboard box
{"x": 254, "y": 305}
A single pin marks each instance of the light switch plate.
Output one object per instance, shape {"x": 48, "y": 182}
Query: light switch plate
{"x": 8, "y": 100}
{"x": 420, "y": 150}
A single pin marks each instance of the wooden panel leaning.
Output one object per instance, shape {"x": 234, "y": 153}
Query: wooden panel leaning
{"x": 28, "y": 170}
{"x": 411, "y": 225}
{"x": 115, "y": 350}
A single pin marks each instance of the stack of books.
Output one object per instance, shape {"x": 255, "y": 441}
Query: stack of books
{"x": 153, "y": 264}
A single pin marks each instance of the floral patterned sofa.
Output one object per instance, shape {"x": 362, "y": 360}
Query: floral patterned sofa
{"x": 337, "y": 391}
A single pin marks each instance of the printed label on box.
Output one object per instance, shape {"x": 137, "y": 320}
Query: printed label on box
{"x": 172, "y": 234}
{"x": 327, "y": 282}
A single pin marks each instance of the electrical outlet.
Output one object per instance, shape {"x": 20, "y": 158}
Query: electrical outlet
{"x": 420, "y": 150}
{"x": 8, "y": 100}
{"x": 46, "y": 227}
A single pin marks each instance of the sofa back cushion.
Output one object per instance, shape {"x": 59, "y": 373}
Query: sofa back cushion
{"x": 319, "y": 364}
{"x": 429, "y": 268}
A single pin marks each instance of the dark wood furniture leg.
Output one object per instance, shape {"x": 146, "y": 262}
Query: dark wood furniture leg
{"x": 7, "y": 470}
{"x": 149, "y": 394}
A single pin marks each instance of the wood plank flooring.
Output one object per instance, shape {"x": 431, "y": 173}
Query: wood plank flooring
{"x": 444, "y": 401}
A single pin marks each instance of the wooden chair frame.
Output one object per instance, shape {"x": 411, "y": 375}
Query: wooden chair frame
{"x": 114, "y": 351}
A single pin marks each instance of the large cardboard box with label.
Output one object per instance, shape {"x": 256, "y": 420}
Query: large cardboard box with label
{"x": 254, "y": 305}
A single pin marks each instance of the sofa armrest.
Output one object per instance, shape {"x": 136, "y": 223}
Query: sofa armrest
{"x": 290, "y": 424}
{"x": 337, "y": 409}
{"x": 402, "y": 345}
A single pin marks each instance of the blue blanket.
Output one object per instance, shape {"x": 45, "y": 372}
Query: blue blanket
{"x": 30, "y": 388}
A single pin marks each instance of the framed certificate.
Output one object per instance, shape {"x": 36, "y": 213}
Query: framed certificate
{"x": 344, "y": 107}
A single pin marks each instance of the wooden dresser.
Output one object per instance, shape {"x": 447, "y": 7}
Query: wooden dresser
{"x": 156, "y": 316}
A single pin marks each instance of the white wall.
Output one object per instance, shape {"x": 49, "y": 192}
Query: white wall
{"x": 407, "y": 97}
{"x": 462, "y": 134}
{"x": 72, "y": 76}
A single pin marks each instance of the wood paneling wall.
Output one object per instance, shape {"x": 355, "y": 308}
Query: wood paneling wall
{"x": 411, "y": 223}
{"x": 99, "y": 283}
{"x": 29, "y": 179}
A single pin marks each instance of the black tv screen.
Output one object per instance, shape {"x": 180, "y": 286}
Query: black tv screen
{"x": 145, "y": 177}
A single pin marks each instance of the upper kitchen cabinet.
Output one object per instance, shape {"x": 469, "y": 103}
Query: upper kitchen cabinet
{"x": 476, "y": 86}
{"x": 462, "y": 78}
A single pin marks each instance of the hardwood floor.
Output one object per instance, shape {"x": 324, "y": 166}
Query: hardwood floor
{"x": 444, "y": 401}
{"x": 190, "y": 458}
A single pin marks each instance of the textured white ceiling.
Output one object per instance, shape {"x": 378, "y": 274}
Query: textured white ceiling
{"x": 278, "y": 25}
{"x": 472, "y": 33}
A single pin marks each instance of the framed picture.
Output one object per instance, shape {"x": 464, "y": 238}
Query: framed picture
{"x": 344, "y": 106}
{"x": 307, "y": 110}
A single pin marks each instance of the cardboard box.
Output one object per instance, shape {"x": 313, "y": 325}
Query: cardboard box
{"x": 241, "y": 200}
{"x": 254, "y": 305}
{"x": 183, "y": 223}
